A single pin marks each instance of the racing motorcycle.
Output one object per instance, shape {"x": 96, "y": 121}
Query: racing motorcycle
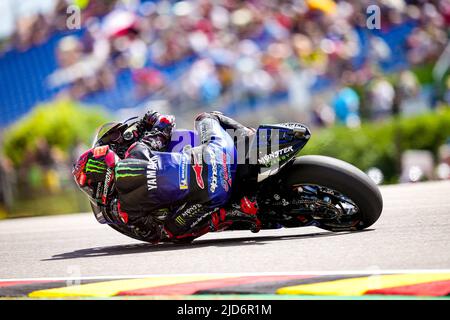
{"x": 290, "y": 190}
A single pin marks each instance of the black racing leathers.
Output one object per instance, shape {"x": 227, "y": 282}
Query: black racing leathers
{"x": 189, "y": 186}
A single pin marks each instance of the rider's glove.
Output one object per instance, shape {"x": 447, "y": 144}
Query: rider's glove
{"x": 148, "y": 121}
{"x": 156, "y": 130}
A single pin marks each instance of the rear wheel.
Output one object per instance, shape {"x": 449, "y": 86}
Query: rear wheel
{"x": 332, "y": 194}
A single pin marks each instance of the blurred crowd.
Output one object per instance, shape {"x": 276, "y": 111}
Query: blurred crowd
{"x": 246, "y": 51}
{"x": 243, "y": 51}
{"x": 44, "y": 171}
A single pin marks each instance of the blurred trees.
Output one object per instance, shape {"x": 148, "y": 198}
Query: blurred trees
{"x": 372, "y": 144}
{"x": 41, "y": 148}
{"x": 61, "y": 124}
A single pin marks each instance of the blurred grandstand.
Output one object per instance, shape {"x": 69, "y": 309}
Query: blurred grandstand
{"x": 236, "y": 56}
{"x": 315, "y": 61}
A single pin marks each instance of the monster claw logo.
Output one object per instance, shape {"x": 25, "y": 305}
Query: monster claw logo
{"x": 198, "y": 169}
{"x": 95, "y": 166}
{"x": 180, "y": 221}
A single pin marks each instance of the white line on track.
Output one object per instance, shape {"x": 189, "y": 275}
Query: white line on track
{"x": 306, "y": 273}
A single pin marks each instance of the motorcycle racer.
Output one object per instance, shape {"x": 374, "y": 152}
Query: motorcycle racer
{"x": 188, "y": 188}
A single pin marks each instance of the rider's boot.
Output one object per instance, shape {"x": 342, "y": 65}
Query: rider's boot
{"x": 245, "y": 212}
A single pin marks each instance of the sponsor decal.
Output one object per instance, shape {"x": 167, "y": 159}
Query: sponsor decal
{"x": 198, "y": 169}
{"x": 192, "y": 211}
{"x": 95, "y": 166}
{"x": 125, "y": 175}
{"x": 202, "y": 217}
{"x": 100, "y": 151}
{"x": 180, "y": 221}
{"x": 269, "y": 158}
{"x": 292, "y": 125}
{"x": 226, "y": 182}
{"x": 213, "y": 162}
{"x": 124, "y": 169}
{"x": 106, "y": 184}
{"x": 152, "y": 167}
{"x": 183, "y": 172}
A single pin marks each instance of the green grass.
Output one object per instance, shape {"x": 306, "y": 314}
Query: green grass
{"x": 69, "y": 201}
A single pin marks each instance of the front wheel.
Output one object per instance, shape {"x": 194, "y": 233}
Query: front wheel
{"x": 332, "y": 194}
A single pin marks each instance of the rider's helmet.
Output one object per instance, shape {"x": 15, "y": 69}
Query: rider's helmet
{"x": 94, "y": 174}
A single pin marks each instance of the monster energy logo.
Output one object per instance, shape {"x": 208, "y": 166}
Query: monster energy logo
{"x": 275, "y": 156}
{"x": 179, "y": 220}
{"x": 95, "y": 166}
{"x": 124, "y": 171}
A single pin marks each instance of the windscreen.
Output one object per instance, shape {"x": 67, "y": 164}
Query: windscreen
{"x": 103, "y": 130}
